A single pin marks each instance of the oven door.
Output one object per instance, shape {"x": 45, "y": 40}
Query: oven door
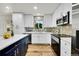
{"x": 55, "y": 45}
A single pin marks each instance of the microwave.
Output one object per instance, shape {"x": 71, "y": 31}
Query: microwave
{"x": 64, "y": 20}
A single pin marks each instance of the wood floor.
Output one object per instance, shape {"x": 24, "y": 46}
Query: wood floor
{"x": 40, "y": 50}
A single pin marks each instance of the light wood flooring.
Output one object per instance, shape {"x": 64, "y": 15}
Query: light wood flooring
{"x": 40, "y": 50}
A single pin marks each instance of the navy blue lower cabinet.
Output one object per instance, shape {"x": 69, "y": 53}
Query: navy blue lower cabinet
{"x": 25, "y": 45}
{"x": 11, "y": 52}
{"x": 29, "y": 38}
{"x": 22, "y": 49}
{"x": 18, "y": 49}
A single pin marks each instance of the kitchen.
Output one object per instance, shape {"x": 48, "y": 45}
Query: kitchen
{"x": 36, "y": 29}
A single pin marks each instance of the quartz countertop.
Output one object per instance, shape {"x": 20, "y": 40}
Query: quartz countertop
{"x": 38, "y": 32}
{"x": 6, "y": 42}
{"x": 61, "y": 35}
{"x": 58, "y": 37}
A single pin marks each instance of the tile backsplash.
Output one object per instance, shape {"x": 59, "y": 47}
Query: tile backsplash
{"x": 48, "y": 29}
{"x": 28, "y": 29}
{"x": 67, "y": 29}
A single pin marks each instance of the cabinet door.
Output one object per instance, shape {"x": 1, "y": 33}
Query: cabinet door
{"x": 11, "y": 52}
{"x": 35, "y": 38}
{"x": 26, "y": 41}
{"x": 29, "y": 39}
{"x": 24, "y": 46}
{"x": 47, "y": 20}
{"x": 18, "y": 49}
{"x": 44, "y": 38}
{"x": 28, "y": 20}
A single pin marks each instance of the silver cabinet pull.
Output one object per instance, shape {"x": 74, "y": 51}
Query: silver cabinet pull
{"x": 15, "y": 52}
{"x": 65, "y": 52}
{"x": 65, "y": 43}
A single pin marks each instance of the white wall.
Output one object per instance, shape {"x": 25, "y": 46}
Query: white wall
{"x": 4, "y": 21}
{"x": 60, "y": 11}
{"x": 28, "y": 20}
{"x": 47, "y": 20}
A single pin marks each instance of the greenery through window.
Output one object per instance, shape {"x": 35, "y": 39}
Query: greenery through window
{"x": 38, "y": 22}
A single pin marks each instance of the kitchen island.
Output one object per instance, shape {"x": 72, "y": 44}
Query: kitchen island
{"x": 16, "y": 45}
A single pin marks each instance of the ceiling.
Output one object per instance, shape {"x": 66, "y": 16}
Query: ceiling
{"x": 27, "y": 8}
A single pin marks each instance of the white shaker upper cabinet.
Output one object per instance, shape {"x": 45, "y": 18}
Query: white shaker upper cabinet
{"x": 18, "y": 23}
{"x": 47, "y": 20}
{"x": 28, "y": 20}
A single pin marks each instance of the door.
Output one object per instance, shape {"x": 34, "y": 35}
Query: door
{"x": 18, "y": 24}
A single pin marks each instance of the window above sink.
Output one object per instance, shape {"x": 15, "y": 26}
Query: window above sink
{"x": 38, "y": 22}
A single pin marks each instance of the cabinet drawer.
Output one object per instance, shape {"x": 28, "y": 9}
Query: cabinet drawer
{"x": 65, "y": 52}
{"x": 66, "y": 39}
{"x": 65, "y": 44}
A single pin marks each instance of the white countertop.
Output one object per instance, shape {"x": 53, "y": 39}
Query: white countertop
{"x": 39, "y": 32}
{"x": 6, "y": 42}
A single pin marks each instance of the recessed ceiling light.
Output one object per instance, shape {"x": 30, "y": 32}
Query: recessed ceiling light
{"x": 35, "y": 7}
{"x": 7, "y": 7}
